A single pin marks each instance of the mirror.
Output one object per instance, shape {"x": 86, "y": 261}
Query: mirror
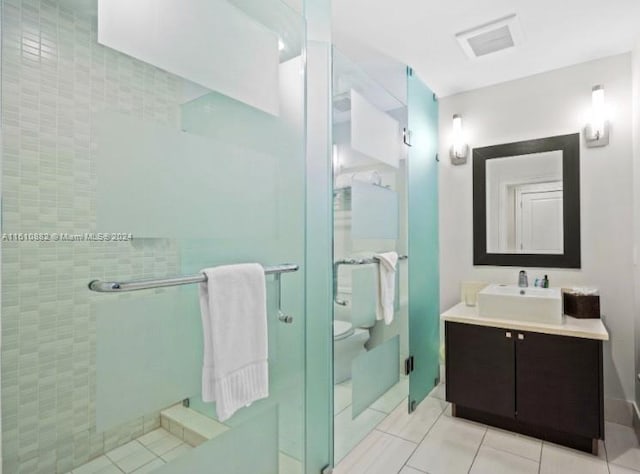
{"x": 527, "y": 203}
{"x": 524, "y": 204}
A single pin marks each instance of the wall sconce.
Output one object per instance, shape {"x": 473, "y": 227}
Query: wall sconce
{"x": 459, "y": 149}
{"x": 596, "y": 132}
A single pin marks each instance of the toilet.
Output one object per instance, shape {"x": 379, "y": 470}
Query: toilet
{"x": 353, "y": 322}
{"x": 348, "y": 343}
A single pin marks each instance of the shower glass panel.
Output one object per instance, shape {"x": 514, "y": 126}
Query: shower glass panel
{"x": 370, "y": 217}
{"x": 424, "y": 270}
{"x": 146, "y": 139}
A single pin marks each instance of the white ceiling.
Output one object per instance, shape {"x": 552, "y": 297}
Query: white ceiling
{"x": 421, "y": 33}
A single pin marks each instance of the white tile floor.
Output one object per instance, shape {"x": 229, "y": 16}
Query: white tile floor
{"x": 153, "y": 450}
{"x": 138, "y": 456}
{"x": 427, "y": 441}
{"x": 431, "y": 441}
{"x": 349, "y": 431}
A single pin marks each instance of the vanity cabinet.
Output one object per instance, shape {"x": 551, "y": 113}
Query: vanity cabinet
{"x": 480, "y": 368}
{"x": 542, "y": 385}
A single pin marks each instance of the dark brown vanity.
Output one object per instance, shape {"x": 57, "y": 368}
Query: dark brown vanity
{"x": 533, "y": 379}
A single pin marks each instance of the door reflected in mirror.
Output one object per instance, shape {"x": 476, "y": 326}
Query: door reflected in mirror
{"x": 525, "y": 204}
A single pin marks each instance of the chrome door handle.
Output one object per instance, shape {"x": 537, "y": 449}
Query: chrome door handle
{"x": 282, "y": 317}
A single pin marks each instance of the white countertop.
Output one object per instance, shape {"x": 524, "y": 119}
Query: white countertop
{"x": 574, "y": 327}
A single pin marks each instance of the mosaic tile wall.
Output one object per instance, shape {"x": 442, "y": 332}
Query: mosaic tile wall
{"x": 55, "y": 76}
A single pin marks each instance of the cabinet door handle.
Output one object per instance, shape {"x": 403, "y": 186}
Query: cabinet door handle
{"x": 508, "y": 334}
{"x": 521, "y": 337}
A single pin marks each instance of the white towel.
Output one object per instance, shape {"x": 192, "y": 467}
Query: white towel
{"x": 233, "y": 303}
{"x": 386, "y": 285}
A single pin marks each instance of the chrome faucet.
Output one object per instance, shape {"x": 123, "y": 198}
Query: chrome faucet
{"x": 523, "y": 280}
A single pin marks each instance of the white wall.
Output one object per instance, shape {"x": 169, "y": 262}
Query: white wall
{"x": 548, "y": 104}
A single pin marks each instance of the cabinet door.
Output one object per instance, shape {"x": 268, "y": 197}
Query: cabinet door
{"x": 559, "y": 383}
{"x": 480, "y": 368}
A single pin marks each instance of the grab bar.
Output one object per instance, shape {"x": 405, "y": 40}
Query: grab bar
{"x": 352, "y": 261}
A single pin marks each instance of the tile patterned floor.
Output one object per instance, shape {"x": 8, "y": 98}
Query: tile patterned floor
{"x": 139, "y": 456}
{"x": 428, "y": 441}
{"x": 153, "y": 450}
{"x": 431, "y": 441}
{"x": 350, "y": 431}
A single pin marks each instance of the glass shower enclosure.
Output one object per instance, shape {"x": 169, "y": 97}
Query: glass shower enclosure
{"x": 385, "y": 200}
{"x": 142, "y": 140}
{"x": 370, "y": 218}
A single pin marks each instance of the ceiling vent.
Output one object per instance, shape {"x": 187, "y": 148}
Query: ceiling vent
{"x": 499, "y": 35}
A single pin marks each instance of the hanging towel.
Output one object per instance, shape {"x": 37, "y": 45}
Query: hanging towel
{"x": 386, "y": 285}
{"x": 233, "y": 304}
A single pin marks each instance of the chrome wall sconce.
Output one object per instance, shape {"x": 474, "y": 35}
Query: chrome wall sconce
{"x": 596, "y": 132}
{"x": 459, "y": 149}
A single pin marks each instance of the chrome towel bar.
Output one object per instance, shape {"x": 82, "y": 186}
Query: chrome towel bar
{"x": 352, "y": 261}
{"x": 133, "y": 285}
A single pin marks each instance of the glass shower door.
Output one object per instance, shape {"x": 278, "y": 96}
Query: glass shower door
{"x": 144, "y": 140}
{"x": 424, "y": 272}
{"x": 370, "y": 218}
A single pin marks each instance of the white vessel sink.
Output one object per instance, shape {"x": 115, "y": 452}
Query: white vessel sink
{"x": 540, "y": 305}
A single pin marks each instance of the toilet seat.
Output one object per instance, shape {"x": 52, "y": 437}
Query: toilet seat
{"x": 341, "y": 330}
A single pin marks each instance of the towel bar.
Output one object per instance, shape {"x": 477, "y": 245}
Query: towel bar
{"x": 122, "y": 286}
{"x": 352, "y": 261}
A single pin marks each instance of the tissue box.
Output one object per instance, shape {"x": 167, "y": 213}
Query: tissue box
{"x": 580, "y": 305}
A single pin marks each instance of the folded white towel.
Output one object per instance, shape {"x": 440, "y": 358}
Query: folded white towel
{"x": 233, "y": 304}
{"x": 386, "y": 285}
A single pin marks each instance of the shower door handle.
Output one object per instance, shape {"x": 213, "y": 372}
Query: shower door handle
{"x": 285, "y": 318}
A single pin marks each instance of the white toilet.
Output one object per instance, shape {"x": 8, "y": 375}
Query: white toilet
{"x": 352, "y": 322}
{"x": 348, "y": 343}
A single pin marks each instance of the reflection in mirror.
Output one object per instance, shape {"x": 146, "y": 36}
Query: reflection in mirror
{"x": 524, "y": 199}
{"x": 526, "y": 203}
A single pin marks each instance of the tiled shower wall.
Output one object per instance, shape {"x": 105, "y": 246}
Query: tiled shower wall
{"x": 55, "y": 77}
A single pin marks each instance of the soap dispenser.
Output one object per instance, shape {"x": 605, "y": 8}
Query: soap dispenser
{"x": 523, "y": 281}
{"x": 545, "y": 282}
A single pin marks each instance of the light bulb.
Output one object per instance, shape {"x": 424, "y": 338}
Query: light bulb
{"x": 337, "y": 166}
{"x": 598, "y": 112}
{"x": 597, "y": 129}
{"x": 458, "y": 136}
